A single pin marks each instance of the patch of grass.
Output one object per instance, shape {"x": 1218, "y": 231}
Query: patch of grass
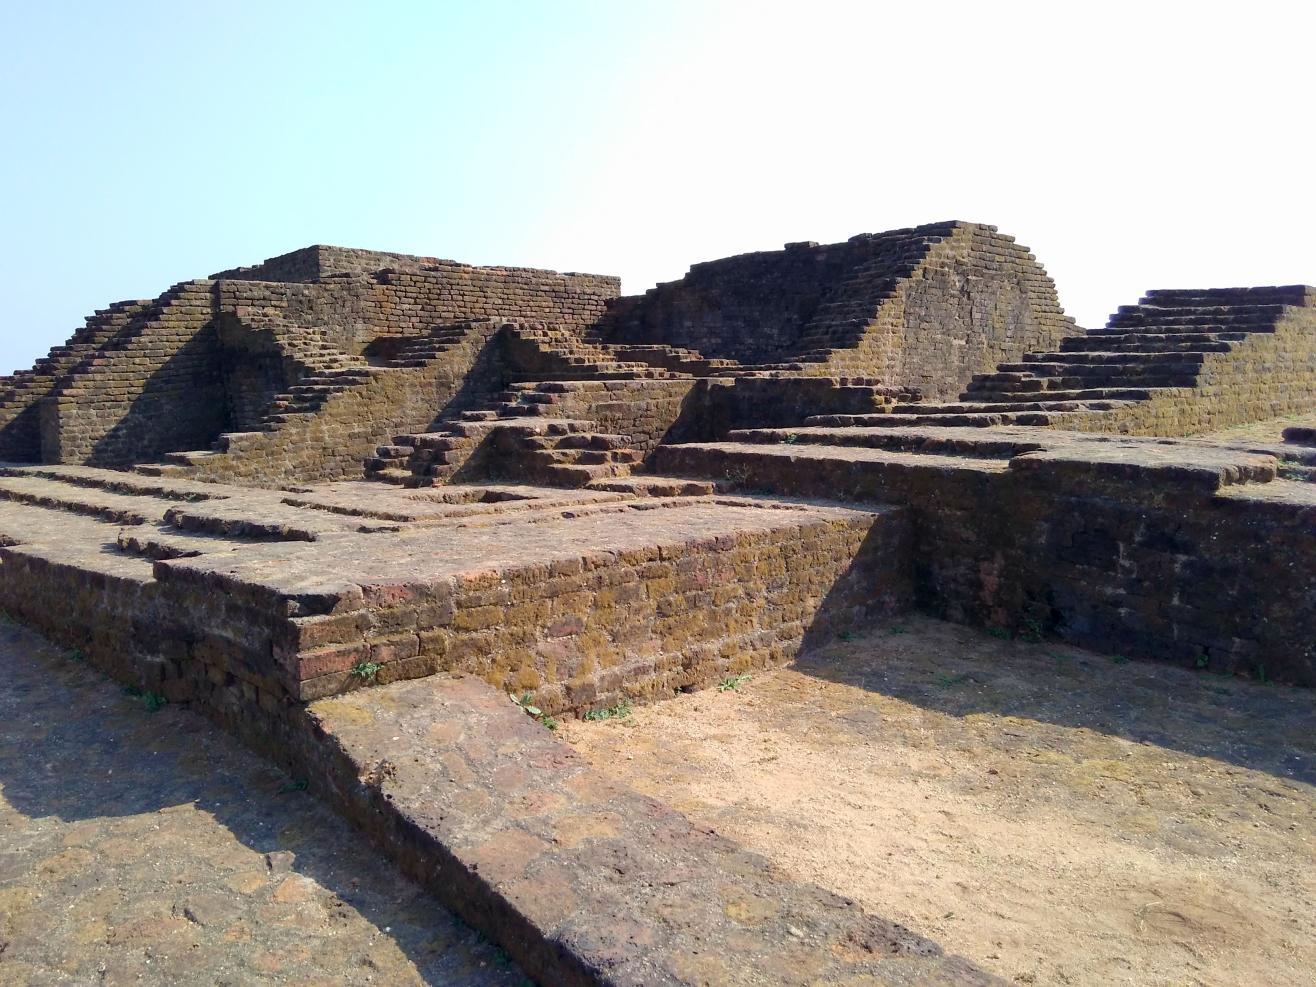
{"x": 500, "y": 957}
{"x": 792, "y": 438}
{"x": 946, "y": 681}
{"x": 1202, "y": 661}
{"x": 1119, "y": 659}
{"x": 733, "y": 682}
{"x": 848, "y": 636}
{"x": 153, "y": 700}
{"x": 897, "y": 629}
{"x": 77, "y": 654}
{"x": 548, "y": 722}
{"x": 617, "y": 712}
{"x": 366, "y": 670}
{"x": 1000, "y": 632}
{"x": 294, "y": 785}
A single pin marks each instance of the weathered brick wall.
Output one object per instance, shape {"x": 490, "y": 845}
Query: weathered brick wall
{"x": 976, "y": 299}
{"x": 156, "y": 388}
{"x": 354, "y": 310}
{"x": 926, "y": 307}
{"x": 322, "y": 261}
{"x": 587, "y": 632}
{"x": 755, "y": 307}
{"x": 720, "y": 404}
{"x": 1146, "y": 562}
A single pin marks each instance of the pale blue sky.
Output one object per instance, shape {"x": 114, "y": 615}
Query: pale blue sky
{"x": 1131, "y": 146}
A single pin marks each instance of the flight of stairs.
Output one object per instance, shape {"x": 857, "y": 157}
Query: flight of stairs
{"x": 1158, "y": 347}
{"x": 526, "y": 438}
{"x": 544, "y": 352}
{"x": 332, "y": 373}
{"x": 19, "y": 392}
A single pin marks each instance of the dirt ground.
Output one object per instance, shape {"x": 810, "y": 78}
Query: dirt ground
{"x": 1056, "y": 816}
{"x": 147, "y": 847}
{"x": 1268, "y": 431}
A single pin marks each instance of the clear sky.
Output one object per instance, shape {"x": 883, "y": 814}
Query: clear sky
{"x": 1130, "y": 146}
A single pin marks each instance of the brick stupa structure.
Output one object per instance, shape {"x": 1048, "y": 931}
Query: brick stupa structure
{"x": 345, "y": 502}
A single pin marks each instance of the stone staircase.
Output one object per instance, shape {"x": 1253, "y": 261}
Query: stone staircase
{"x": 1162, "y": 348}
{"x": 528, "y": 438}
{"x": 333, "y": 374}
{"x": 20, "y": 391}
{"x": 543, "y": 352}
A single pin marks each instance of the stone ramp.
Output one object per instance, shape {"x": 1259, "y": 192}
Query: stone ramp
{"x": 586, "y": 881}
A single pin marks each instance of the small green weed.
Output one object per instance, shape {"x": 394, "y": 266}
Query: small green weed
{"x": 792, "y": 439}
{"x": 1119, "y": 659}
{"x": 946, "y": 681}
{"x": 1031, "y": 631}
{"x": 548, "y": 722}
{"x": 78, "y": 655}
{"x": 366, "y": 670}
{"x": 1261, "y": 675}
{"x": 524, "y": 702}
{"x": 1000, "y": 632}
{"x": 897, "y": 629}
{"x": 732, "y": 682}
{"x": 848, "y": 636}
{"x": 153, "y": 700}
{"x": 617, "y": 712}
{"x": 295, "y": 785}
{"x": 1202, "y": 661}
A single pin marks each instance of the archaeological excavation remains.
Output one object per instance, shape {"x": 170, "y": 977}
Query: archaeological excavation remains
{"x": 386, "y": 518}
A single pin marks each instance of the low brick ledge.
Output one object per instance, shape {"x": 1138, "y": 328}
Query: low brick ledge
{"x": 581, "y": 880}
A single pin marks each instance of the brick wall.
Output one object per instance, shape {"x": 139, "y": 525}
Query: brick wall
{"x": 583, "y": 633}
{"x": 755, "y": 307}
{"x": 976, "y": 299}
{"x": 1143, "y": 559}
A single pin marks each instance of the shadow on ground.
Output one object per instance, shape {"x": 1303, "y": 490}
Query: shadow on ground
{"x": 147, "y": 846}
{"x": 960, "y": 671}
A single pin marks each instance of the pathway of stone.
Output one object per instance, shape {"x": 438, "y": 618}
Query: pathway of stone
{"x": 147, "y": 847}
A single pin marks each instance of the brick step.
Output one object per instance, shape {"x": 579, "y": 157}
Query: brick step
{"x": 584, "y": 457}
{"x": 1078, "y": 394}
{"x": 969, "y": 442}
{"x": 1116, "y": 358}
{"x": 966, "y": 420}
{"x": 1302, "y": 435}
{"x": 574, "y": 476}
{"x": 983, "y": 407}
{"x": 1126, "y": 342}
{"x": 649, "y": 485}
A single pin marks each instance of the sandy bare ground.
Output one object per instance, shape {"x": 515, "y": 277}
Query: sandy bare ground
{"x": 1056, "y": 816}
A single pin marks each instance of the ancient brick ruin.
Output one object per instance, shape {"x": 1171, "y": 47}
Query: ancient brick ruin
{"x": 280, "y": 491}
